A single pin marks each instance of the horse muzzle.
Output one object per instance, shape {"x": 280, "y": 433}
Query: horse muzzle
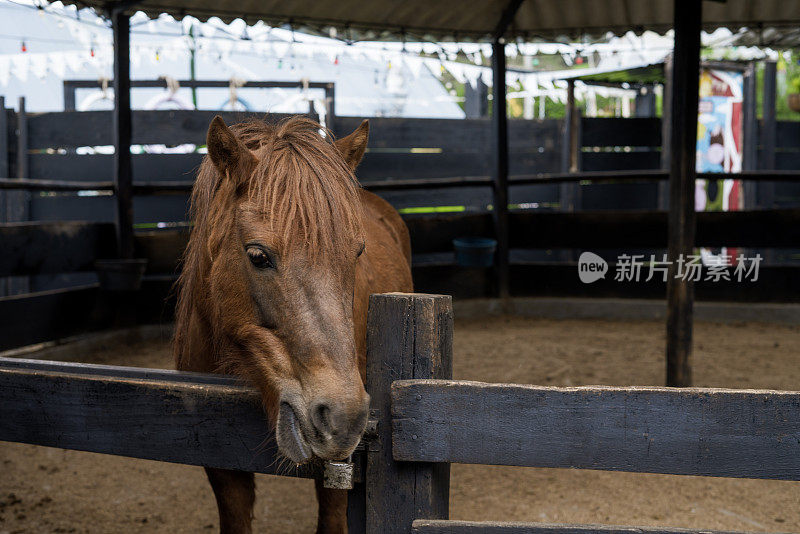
{"x": 327, "y": 428}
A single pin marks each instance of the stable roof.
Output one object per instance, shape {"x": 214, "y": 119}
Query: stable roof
{"x": 443, "y": 20}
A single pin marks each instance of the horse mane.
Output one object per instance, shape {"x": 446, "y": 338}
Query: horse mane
{"x": 301, "y": 185}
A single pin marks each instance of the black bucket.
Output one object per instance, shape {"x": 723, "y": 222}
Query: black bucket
{"x": 475, "y": 251}
{"x": 119, "y": 274}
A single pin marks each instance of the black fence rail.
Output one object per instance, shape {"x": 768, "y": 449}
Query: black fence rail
{"x": 421, "y": 421}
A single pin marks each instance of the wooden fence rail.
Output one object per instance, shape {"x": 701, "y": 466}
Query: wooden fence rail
{"x": 52, "y": 247}
{"x": 425, "y": 526}
{"x": 169, "y": 416}
{"x": 686, "y": 431}
{"x": 419, "y": 422}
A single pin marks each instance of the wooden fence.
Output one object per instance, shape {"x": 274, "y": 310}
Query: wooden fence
{"x": 421, "y": 419}
{"x": 60, "y": 223}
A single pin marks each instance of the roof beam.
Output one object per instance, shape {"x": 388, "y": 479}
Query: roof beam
{"x": 506, "y": 18}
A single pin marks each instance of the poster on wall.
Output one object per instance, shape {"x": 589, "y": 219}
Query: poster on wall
{"x": 719, "y": 147}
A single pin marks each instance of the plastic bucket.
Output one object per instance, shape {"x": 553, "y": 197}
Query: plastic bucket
{"x": 120, "y": 275}
{"x": 475, "y": 251}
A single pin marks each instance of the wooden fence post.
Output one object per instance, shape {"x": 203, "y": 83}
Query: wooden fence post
{"x": 18, "y": 203}
{"x": 682, "y": 175}
{"x": 666, "y": 132}
{"x": 500, "y": 173}
{"x": 408, "y": 336}
{"x": 123, "y": 164}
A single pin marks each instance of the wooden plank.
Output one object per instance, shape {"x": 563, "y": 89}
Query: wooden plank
{"x": 71, "y": 207}
{"x": 49, "y": 315}
{"x": 591, "y": 230}
{"x": 459, "y": 282}
{"x": 787, "y": 134}
{"x": 436, "y": 233}
{"x": 638, "y": 229}
{"x": 27, "y": 184}
{"x": 459, "y": 135}
{"x": 83, "y": 168}
{"x": 172, "y": 127}
{"x": 619, "y": 196}
{"x": 60, "y": 313}
{"x": 547, "y": 279}
{"x": 650, "y": 175}
{"x": 114, "y": 371}
{"x": 569, "y": 191}
{"x": 376, "y": 166}
{"x": 620, "y": 161}
{"x": 682, "y": 222}
{"x": 379, "y": 165}
{"x": 666, "y": 150}
{"x": 18, "y": 203}
{"x": 764, "y": 194}
{"x": 5, "y": 172}
{"x": 638, "y": 131}
{"x": 122, "y": 134}
{"x": 426, "y": 526}
{"x": 408, "y": 335}
{"x": 147, "y": 209}
{"x": 37, "y": 248}
{"x": 697, "y": 431}
{"x": 429, "y": 234}
{"x": 162, "y": 248}
{"x": 183, "y": 421}
{"x": 467, "y": 198}
{"x": 588, "y": 230}
{"x": 93, "y": 128}
{"x": 749, "y": 122}
{"x": 427, "y": 183}
{"x": 500, "y": 172}
{"x": 539, "y": 195}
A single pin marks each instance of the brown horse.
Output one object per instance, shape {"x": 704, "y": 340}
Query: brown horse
{"x": 284, "y": 253}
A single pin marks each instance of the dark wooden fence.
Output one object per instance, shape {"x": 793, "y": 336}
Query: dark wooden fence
{"x": 421, "y": 421}
{"x": 63, "y": 209}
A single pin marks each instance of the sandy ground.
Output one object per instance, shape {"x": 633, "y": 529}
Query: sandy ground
{"x": 51, "y": 490}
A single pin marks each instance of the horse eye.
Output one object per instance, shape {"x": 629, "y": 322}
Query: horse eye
{"x": 259, "y": 258}
{"x": 361, "y": 250}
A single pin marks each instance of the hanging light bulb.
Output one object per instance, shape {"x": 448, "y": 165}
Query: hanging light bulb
{"x": 336, "y": 60}
{"x": 24, "y": 48}
{"x": 158, "y": 54}
{"x": 91, "y": 51}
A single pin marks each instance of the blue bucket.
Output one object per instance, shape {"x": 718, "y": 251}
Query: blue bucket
{"x": 474, "y": 251}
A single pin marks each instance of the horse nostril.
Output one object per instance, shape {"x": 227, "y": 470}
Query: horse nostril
{"x": 321, "y": 417}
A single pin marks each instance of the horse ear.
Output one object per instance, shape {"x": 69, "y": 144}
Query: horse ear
{"x": 353, "y": 146}
{"x": 227, "y": 153}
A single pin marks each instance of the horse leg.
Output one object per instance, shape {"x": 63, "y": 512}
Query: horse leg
{"x": 236, "y": 493}
{"x": 332, "y": 517}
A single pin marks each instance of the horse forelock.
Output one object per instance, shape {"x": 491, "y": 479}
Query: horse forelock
{"x": 304, "y": 189}
{"x": 301, "y": 186}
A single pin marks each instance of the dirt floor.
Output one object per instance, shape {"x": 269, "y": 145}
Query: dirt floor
{"x": 51, "y": 490}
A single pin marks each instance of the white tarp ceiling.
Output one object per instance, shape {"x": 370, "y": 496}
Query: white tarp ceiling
{"x": 475, "y": 20}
